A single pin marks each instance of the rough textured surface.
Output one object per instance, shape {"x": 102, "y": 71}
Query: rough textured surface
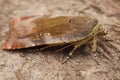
{"x": 46, "y": 65}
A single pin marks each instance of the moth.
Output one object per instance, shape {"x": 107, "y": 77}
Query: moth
{"x": 33, "y": 31}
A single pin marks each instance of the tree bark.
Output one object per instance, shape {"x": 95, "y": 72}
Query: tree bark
{"x": 47, "y": 64}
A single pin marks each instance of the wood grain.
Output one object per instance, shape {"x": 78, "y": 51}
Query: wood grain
{"x": 47, "y": 64}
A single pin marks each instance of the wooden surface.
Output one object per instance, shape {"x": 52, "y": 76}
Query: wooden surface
{"x": 47, "y": 64}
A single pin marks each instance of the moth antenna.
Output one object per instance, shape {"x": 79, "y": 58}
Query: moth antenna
{"x": 64, "y": 48}
{"x": 48, "y": 46}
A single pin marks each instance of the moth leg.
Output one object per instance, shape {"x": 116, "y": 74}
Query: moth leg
{"x": 94, "y": 45}
{"x": 71, "y": 53}
{"x": 94, "y": 48}
{"x": 102, "y": 34}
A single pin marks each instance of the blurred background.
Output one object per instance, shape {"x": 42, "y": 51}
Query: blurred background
{"x": 46, "y": 65}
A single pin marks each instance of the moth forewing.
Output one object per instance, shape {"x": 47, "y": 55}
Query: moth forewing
{"x": 33, "y": 31}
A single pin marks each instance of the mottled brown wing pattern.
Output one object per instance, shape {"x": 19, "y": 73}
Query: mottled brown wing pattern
{"x": 35, "y": 31}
